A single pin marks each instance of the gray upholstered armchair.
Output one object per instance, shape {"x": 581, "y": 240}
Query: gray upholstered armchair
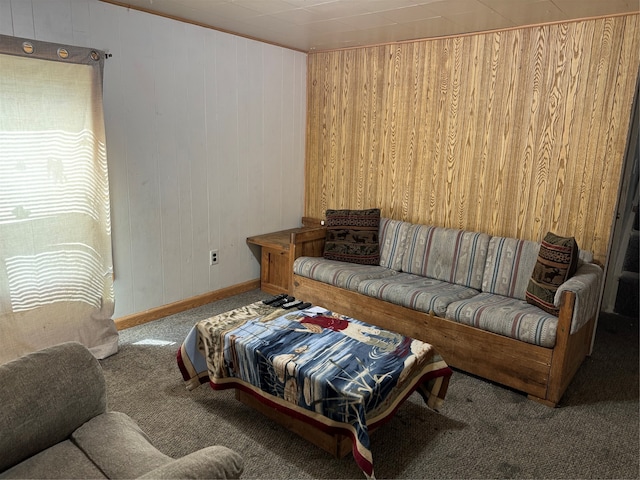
{"x": 54, "y": 423}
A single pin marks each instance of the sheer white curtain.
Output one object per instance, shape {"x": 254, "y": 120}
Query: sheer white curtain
{"x": 56, "y": 273}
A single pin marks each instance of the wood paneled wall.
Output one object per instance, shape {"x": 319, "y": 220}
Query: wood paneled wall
{"x": 513, "y": 133}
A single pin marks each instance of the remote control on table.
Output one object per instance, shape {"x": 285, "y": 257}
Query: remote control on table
{"x": 282, "y": 301}
{"x": 304, "y": 305}
{"x": 291, "y": 304}
{"x": 272, "y": 300}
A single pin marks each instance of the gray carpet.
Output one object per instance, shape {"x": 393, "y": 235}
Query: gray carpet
{"x": 482, "y": 431}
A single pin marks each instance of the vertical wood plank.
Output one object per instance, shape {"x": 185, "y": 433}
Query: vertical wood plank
{"x": 514, "y": 133}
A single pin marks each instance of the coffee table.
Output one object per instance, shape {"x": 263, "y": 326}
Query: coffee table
{"x": 327, "y": 377}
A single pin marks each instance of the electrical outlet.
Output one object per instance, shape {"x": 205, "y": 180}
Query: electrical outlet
{"x": 213, "y": 257}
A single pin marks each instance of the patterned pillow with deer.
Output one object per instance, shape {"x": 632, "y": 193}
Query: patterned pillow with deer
{"x": 352, "y": 236}
{"x": 557, "y": 262}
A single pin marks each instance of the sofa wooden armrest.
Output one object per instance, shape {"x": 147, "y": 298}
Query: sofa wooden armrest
{"x": 307, "y": 243}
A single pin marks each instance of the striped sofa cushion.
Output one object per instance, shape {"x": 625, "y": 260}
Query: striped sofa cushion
{"x": 450, "y": 255}
{"x": 341, "y": 274}
{"x": 393, "y": 241}
{"x": 509, "y": 265}
{"x": 416, "y": 292}
{"x": 506, "y": 316}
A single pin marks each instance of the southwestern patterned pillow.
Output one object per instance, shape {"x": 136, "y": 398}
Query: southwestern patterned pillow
{"x": 352, "y": 236}
{"x": 557, "y": 262}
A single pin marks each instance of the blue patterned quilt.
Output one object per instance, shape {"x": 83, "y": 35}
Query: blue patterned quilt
{"x": 340, "y": 373}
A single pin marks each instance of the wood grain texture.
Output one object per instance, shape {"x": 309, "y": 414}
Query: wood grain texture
{"x": 513, "y": 133}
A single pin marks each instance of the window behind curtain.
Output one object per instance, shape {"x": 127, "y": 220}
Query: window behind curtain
{"x": 56, "y": 274}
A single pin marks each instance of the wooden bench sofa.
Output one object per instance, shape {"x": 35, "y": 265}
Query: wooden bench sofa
{"x": 538, "y": 357}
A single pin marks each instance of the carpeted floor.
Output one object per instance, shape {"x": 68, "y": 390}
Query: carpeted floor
{"x": 482, "y": 431}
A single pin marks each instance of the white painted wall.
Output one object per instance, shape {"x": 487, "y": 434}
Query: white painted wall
{"x": 205, "y": 141}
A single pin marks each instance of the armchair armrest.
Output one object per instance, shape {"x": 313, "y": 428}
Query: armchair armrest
{"x": 210, "y": 462}
{"x": 44, "y": 396}
{"x": 586, "y": 286}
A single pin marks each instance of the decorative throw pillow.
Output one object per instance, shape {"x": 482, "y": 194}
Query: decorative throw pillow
{"x": 352, "y": 236}
{"x": 557, "y": 262}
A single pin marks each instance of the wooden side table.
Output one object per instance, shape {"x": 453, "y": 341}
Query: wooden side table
{"x": 280, "y": 249}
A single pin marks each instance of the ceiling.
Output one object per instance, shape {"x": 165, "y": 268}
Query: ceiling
{"x": 314, "y": 25}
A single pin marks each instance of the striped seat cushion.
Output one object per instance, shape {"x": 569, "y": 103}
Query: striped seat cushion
{"x": 509, "y": 265}
{"x": 416, "y": 292}
{"x": 450, "y": 255}
{"x": 341, "y": 274}
{"x": 506, "y": 316}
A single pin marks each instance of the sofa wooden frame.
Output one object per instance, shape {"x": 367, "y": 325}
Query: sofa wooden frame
{"x": 542, "y": 373}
